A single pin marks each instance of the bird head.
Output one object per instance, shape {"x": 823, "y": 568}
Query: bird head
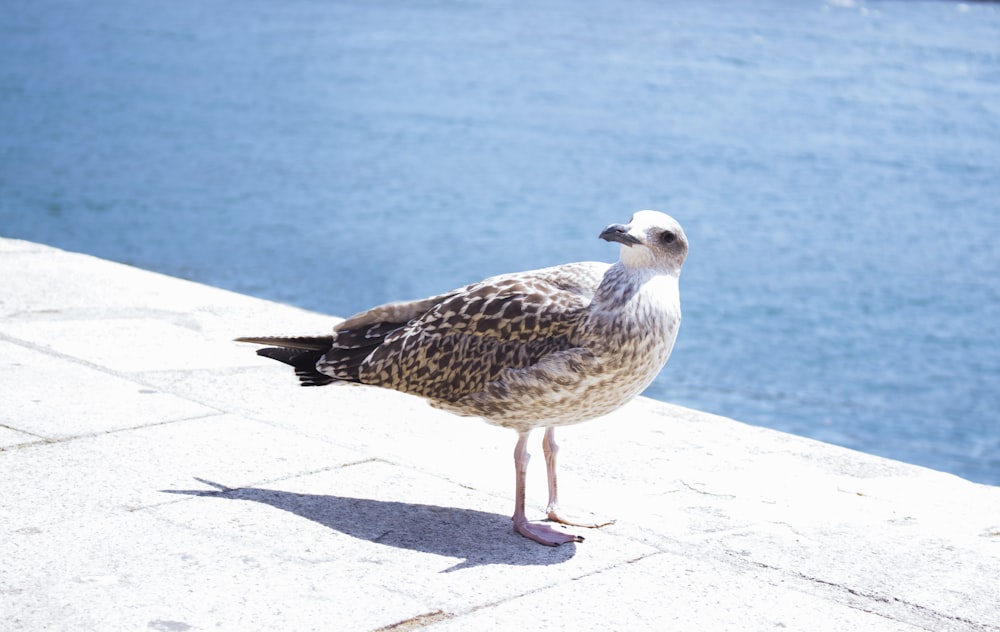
{"x": 650, "y": 240}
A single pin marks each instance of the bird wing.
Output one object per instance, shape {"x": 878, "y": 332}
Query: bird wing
{"x": 468, "y": 338}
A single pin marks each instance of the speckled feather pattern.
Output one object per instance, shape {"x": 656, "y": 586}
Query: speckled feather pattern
{"x": 474, "y": 336}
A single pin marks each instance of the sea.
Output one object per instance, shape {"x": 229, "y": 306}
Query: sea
{"x": 835, "y": 164}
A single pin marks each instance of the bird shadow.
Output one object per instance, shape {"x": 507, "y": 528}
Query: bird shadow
{"x": 476, "y": 537}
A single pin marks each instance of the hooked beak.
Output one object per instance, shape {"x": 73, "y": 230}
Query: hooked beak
{"x": 619, "y": 233}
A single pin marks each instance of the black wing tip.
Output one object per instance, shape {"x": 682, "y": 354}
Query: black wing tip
{"x": 313, "y": 378}
{"x": 303, "y": 361}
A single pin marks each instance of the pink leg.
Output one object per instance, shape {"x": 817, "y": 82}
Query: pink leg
{"x": 543, "y": 534}
{"x": 551, "y": 449}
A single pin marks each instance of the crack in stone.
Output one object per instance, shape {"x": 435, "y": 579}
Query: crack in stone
{"x": 922, "y": 611}
{"x": 417, "y": 622}
{"x": 703, "y": 492}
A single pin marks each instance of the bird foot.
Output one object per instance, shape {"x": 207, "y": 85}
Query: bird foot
{"x": 589, "y": 521}
{"x": 544, "y": 534}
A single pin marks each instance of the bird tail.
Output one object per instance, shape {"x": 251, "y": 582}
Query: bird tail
{"x": 300, "y": 352}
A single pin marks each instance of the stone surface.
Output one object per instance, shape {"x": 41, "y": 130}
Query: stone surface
{"x": 154, "y": 475}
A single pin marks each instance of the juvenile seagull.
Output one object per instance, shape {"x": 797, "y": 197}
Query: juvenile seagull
{"x": 543, "y": 348}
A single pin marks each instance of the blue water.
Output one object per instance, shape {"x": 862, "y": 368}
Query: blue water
{"x": 836, "y": 167}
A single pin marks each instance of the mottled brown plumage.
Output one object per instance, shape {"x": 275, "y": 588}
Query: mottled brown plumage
{"x": 542, "y": 348}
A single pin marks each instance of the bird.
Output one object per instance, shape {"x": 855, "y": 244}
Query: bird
{"x": 537, "y": 349}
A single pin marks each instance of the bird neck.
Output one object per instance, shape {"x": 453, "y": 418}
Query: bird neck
{"x": 622, "y": 284}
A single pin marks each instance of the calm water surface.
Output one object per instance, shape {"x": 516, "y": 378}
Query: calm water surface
{"x": 836, "y": 167}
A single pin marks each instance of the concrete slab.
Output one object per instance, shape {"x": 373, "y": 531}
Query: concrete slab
{"x": 100, "y": 341}
{"x": 154, "y": 475}
{"x": 96, "y": 401}
{"x": 123, "y": 471}
{"x": 121, "y": 574}
{"x": 667, "y": 591}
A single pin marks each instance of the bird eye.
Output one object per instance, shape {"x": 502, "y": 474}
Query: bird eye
{"x": 667, "y": 237}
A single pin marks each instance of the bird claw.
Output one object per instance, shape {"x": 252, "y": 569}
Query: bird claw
{"x": 544, "y": 534}
{"x": 589, "y": 521}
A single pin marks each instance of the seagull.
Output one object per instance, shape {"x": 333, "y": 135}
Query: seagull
{"x": 536, "y": 349}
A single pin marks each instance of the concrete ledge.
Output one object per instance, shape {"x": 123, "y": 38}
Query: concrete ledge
{"x": 154, "y": 475}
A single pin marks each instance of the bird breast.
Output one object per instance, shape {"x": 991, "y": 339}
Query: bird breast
{"x": 635, "y": 339}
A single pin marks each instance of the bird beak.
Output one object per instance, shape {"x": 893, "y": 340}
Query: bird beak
{"x": 619, "y": 233}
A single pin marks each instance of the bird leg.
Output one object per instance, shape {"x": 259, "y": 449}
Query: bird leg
{"x": 551, "y": 449}
{"x": 541, "y": 533}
